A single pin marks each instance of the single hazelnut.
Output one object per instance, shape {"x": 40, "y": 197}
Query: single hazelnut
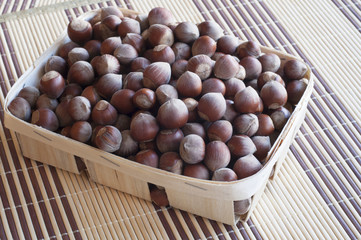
{"x": 144, "y": 98}
{"x": 109, "y": 45}
{"x": 52, "y": 84}
{"x": 247, "y": 101}
{"x": 295, "y": 90}
{"x": 162, "y": 53}
{"x": 123, "y": 122}
{"x": 147, "y": 157}
{"x": 77, "y": 54}
{"x": 159, "y": 197}
{"x": 241, "y": 145}
{"x": 82, "y": 73}
{"x": 136, "y": 40}
{"x": 46, "y": 118}
{"x": 274, "y": 95}
{"x": 80, "y": 31}
{"x": 139, "y": 64}
{"x": 44, "y": 101}
{"x": 160, "y": 34}
{"x": 30, "y": 94}
{"x": 186, "y": 32}
{"x": 171, "y": 162}
{"x": 143, "y": 21}
{"x": 62, "y": 113}
{"x": 108, "y": 84}
{"x": 179, "y": 67}
{"x": 144, "y": 127}
{"x": 165, "y": 92}
{"x": 189, "y": 84}
{"x": 210, "y": 28}
{"x": 172, "y": 114}
{"x": 211, "y": 106}
{"x": 246, "y": 124}
{"x": 79, "y": 108}
{"x": 241, "y": 207}
{"x": 108, "y": 139}
{"x": 204, "y": 45}
{"x": 224, "y": 174}
{"x": 156, "y": 74}
{"x": 233, "y": 86}
{"x": 194, "y": 128}
{"x": 202, "y": 65}
{"x": 227, "y": 44}
{"x": 58, "y": 64}
{"x": 295, "y": 69}
{"x": 128, "y": 25}
{"x": 125, "y": 53}
{"x": 128, "y": 145}
{"x": 71, "y": 90}
{"x": 249, "y": 48}
{"x": 169, "y": 140}
{"x": 196, "y": 171}
{"x": 66, "y": 48}
{"x": 226, "y": 67}
{"x": 102, "y": 32}
{"x": 192, "y": 149}
{"x": 280, "y": 117}
{"x": 252, "y": 66}
{"x": 268, "y": 76}
{"x": 220, "y": 130}
{"x": 213, "y": 85}
{"x": 91, "y": 94}
{"x": 105, "y": 64}
{"x": 181, "y": 51}
{"x": 111, "y": 10}
{"x": 270, "y": 62}
{"x": 263, "y": 146}
{"x": 104, "y": 113}
{"x": 160, "y": 15}
{"x": 133, "y": 81}
{"x": 112, "y": 22}
{"x": 20, "y": 108}
{"x": 265, "y": 125}
{"x": 246, "y": 166}
{"x": 122, "y": 100}
{"x": 217, "y": 155}
{"x": 81, "y": 131}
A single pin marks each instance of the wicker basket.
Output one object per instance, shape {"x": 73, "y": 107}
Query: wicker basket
{"x": 210, "y": 199}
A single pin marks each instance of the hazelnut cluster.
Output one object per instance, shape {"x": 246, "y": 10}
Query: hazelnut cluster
{"x": 178, "y": 96}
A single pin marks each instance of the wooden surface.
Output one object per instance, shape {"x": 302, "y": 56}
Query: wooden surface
{"x": 316, "y": 194}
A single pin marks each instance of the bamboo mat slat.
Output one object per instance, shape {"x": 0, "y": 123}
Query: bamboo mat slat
{"x": 317, "y": 194}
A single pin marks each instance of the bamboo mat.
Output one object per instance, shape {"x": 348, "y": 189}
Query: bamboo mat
{"x": 317, "y": 193}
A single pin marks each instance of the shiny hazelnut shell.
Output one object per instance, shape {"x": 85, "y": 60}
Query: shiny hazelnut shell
{"x": 192, "y": 149}
{"x": 144, "y": 127}
{"x": 108, "y": 139}
{"x": 172, "y": 114}
{"x": 211, "y": 106}
{"x": 45, "y": 118}
{"x": 241, "y": 145}
{"x": 104, "y": 113}
{"x": 246, "y": 166}
{"x": 217, "y": 155}
{"x": 20, "y": 108}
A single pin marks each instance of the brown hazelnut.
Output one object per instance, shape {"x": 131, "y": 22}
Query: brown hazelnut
{"x": 144, "y": 127}
{"x": 249, "y": 48}
{"x": 102, "y": 32}
{"x": 159, "y": 15}
{"x": 160, "y": 34}
{"x": 280, "y": 117}
{"x": 186, "y": 32}
{"x": 109, "y": 45}
{"x": 226, "y": 67}
{"x": 202, "y": 65}
{"x": 81, "y": 131}
{"x": 172, "y": 114}
{"x": 246, "y": 124}
{"x": 196, "y": 171}
{"x": 159, "y": 197}
{"x": 82, "y": 73}
{"x": 79, "y": 108}
{"x": 171, "y": 162}
{"x": 62, "y": 113}
{"x": 233, "y": 85}
{"x": 134, "y": 81}
{"x": 144, "y": 98}
{"x": 194, "y": 128}
{"x": 125, "y": 53}
{"x": 46, "y": 118}
{"x": 139, "y": 64}
{"x": 105, "y": 64}
{"x": 220, "y": 130}
{"x": 112, "y": 22}
{"x": 80, "y": 31}
{"x": 162, "y": 53}
{"x": 227, "y": 44}
{"x": 181, "y": 51}
{"x": 295, "y": 69}
{"x": 30, "y": 94}
{"x": 224, "y": 174}
{"x": 128, "y": 25}
{"x": 169, "y": 140}
{"x": 241, "y": 207}
{"x": 156, "y": 74}
{"x": 268, "y": 76}
{"x": 108, "y": 84}
{"x": 179, "y": 67}
{"x": 265, "y": 125}
{"x": 166, "y": 92}
{"x": 270, "y": 62}
{"x": 66, "y": 48}
{"x": 20, "y": 108}
{"x": 192, "y": 149}
{"x": 204, "y": 45}
{"x": 71, "y": 90}
{"x": 128, "y": 146}
{"x": 246, "y": 166}
{"x": 123, "y": 122}
{"x": 91, "y": 94}
{"x": 58, "y": 64}
{"x": 104, "y": 113}
{"x": 147, "y": 157}
{"x": 108, "y": 139}
{"x": 213, "y": 85}
{"x": 274, "y": 95}
{"x": 122, "y": 100}
{"x": 136, "y": 40}
{"x": 217, "y": 155}
{"x": 189, "y": 84}
{"x": 44, "y": 101}
{"x": 52, "y": 84}
{"x": 247, "y": 101}
{"x": 77, "y": 54}
{"x": 143, "y": 21}
{"x": 230, "y": 113}
{"x": 111, "y": 10}
{"x": 295, "y": 90}
{"x": 211, "y": 106}
{"x": 210, "y": 28}
{"x": 263, "y": 146}
{"x": 241, "y": 145}
{"x": 252, "y": 66}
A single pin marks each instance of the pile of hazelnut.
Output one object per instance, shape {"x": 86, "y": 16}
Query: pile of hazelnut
{"x": 182, "y": 97}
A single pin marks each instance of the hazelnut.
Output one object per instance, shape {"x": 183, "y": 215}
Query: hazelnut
{"x": 295, "y": 69}
{"x": 136, "y": 40}
{"x": 77, "y": 54}
{"x": 128, "y": 145}
{"x": 160, "y": 34}
{"x": 159, "y": 197}
{"x": 186, "y": 32}
{"x": 226, "y": 67}
{"x": 246, "y": 166}
{"x": 179, "y": 67}
{"x": 62, "y": 113}
{"x": 202, "y": 65}
{"x": 108, "y": 139}
{"x": 217, "y": 155}
{"x": 171, "y": 162}
{"x": 265, "y": 125}
{"x": 220, "y": 130}
{"x": 196, "y": 171}
{"x": 81, "y": 131}
{"x": 270, "y": 62}
{"x": 189, "y": 84}
{"x": 128, "y": 25}
{"x": 111, "y": 10}
{"x": 58, "y": 64}
{"x": 105, "y": 64}
{"x": 108, "y": 84}
{"x": 204, "y": 45}
{"x": 147, "y": 157}
{"x": 125, "y": 53}
{"x": 104, "y": 113}
{"x": 211, "y": 106}
{"x": 20, "y": 108}
{"x": 80, "y": 31}
{"x": 91, "y": 94}
{"x": 227, "y": 44}
{"x": 213, "y": 85}
{"x": 263, "y": 146}
{"x": 233, "y": 85}
{"x": 82, "y": 73}
{"x": 71, "y": 90}
{"x": 144, "y": 127}
{"x": 181, "y": 51}
{"x": 122, "y": 100}
{"x": 224, "y": 174}
{"x": 44, "y": 101}
{"x": 230, "y": 113}
{"x": 241, "y": 207}
{"x": 192, "y": 149}
{"x": 295, "y": 90}
{"x": 252, "y": 66}
{"x": 133, "y": 81}
{"x": 159, "y": 15}
{"x": 156, "y": 74}
{"x": 241, "y": 74}
{"x": 246, "y": 124}
{"x": 109, "y": 45}
{"x": 46, "y": 118}
{"x": 102, "y": 32}
{"x": 144, "y": 98}
{"x": 143, "y": 21}
{"x": 279, "y": 117}
{"x": 30, "y": 94}
{"x": 162, "y": 53}
{"x": 139, "y": 64}
{"x": 172, "y": 114}
{"x": 241, "y": 145}
{"x": 274, "y": 95}
{"x": 123, "y": 122}
{"x": 52, "y": 84}
{"x": 210, "y": 28}
{"x": 169, "y": 140}
{"x": 112, "y": 22}
{"x": 268, "y": 76}
{"x": 79, "y": 108}
{"x": 249, "y": 48}
{"x": 166, "y": 92}
{"x": 194, "y": 128}
{"x": 247, "y": 101}
{"x": 66, "y": 48}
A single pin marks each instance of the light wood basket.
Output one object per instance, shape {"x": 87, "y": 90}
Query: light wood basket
{"x": 210, "y": 199}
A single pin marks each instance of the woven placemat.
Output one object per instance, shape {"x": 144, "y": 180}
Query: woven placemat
{"x": 317, "y": 193}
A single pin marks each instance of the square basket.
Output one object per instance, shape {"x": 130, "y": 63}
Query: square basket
{"x": 210, "y": 199}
